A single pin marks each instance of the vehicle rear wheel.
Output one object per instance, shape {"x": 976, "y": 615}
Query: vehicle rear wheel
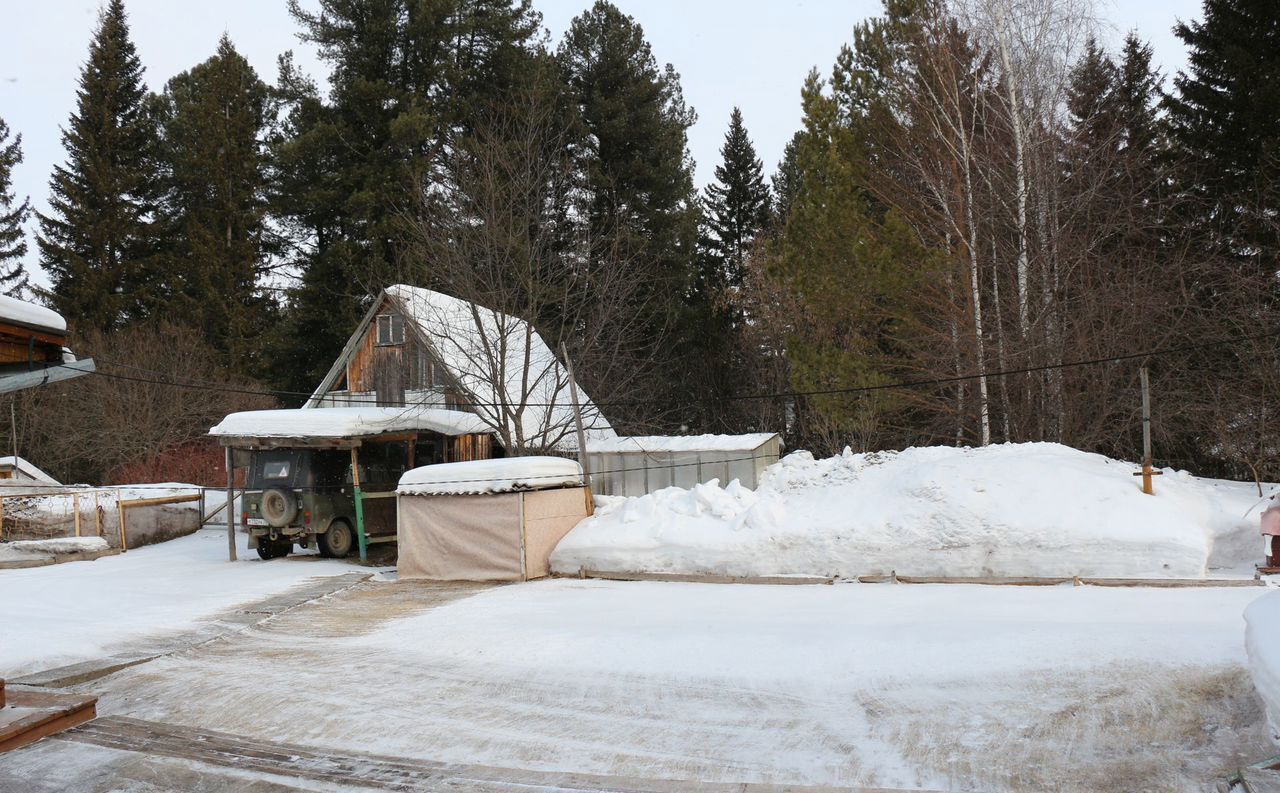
{"x": 337, "y": 541}
{"x": 268, "y": 549}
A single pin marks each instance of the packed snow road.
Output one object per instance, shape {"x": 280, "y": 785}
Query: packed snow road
{"x": 908, "y": 686}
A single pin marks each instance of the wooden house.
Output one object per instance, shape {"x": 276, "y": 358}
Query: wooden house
{"x": 33, "y": 347}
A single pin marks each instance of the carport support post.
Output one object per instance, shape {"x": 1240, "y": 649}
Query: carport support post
{"x": 359, "y": 499}
{"x": 577, "y": 418}
{"x": 231, "y": 506}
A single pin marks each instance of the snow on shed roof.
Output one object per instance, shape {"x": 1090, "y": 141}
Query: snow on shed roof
{"x": 31, "y": 315}
{"x": 27, "y": 468}
{"x": 491, "y": 476}
{"x": 680, "y": 443}
{"x": 354, "y": 422}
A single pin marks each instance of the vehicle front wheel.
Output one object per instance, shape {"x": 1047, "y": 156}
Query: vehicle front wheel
{"x": 337, "y": 541}
{"x": 274, "y": 550}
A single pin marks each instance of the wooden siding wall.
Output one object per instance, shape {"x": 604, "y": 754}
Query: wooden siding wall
{"x": 16, "y": 346}
{"x": 391, "y": 370}
{"x": 470, "y": 447}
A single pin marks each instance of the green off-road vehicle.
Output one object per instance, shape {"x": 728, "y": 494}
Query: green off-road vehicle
{"x": 305, "y": 495}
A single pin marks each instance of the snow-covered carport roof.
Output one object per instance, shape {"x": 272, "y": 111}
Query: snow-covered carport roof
{"x": 339, "y": 427}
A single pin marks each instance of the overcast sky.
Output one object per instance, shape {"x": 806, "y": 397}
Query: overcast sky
{"x": 750, "y": 53}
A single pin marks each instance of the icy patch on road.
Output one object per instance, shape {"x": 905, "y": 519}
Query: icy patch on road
{"x": 1036, "y": 509}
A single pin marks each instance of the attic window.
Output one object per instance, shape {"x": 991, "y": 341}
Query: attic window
{"x": 390, "y": 329}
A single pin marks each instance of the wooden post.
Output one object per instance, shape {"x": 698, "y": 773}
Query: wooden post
{"x": 577, "y": 418}
{"x": 97, "y": 511}
{"x": 1146, "y": 432}
{"x": 75, "y": 505}
{"x": 358, "y": 497}
{"x": 231, "y": 506}
{"x": 124, "y": 534}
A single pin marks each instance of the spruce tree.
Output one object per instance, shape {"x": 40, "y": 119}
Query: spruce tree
{"x": 95, "y": 239}
{"x": 737, "y": 204}
{"x": 786, "y": 180}
{"x": 1224, "y": 121}
{"x": 214, "y": 209}
{"x": 636, "y": 168}
{"x": 405, "y": 77}
{"x": 635, "y": 157}
{"x": 13, "y": 243}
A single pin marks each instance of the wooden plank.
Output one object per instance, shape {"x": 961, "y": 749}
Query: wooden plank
{"x": 1170, "y": 583}
{"x": 704, "y": 579}
{"x": 984, "y": 580}
{"x": 32, "y": 715}
{"x": 160, "y": 500}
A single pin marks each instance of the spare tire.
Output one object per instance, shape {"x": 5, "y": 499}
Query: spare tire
{"x": 279, "y": 506}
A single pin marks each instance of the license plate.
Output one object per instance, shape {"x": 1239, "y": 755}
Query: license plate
{"x": 257, "y": 522}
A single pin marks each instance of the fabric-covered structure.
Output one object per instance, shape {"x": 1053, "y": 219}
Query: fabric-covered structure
{"x": 636, "y": 466}
{"x": 487, "y": 520}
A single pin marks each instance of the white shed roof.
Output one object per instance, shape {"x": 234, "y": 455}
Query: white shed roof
{"x": 339, "y": 423}
{"x": 21, "y": 464}
{"x": 491, "y": 476}
{"x": 680, "y": 443}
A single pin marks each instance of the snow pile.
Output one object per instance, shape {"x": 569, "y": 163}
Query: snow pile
{"x": 60, "y": 545}
{"x": 1262, "y": 642}
{"x": 491, "y": 476}
{"x": 1037, "y": 509}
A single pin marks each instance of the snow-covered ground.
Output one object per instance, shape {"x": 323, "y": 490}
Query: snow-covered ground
{"x": 933, "y": 686}
{"x": 73, "y": 612}
{"x": 1036, "y": 509}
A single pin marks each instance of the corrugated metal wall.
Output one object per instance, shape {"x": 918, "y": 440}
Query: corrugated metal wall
{"x": 640, "y": 472}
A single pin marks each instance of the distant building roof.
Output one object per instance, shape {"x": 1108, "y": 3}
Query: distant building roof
{"x": 30, "y": 315}
{"x": 19, "y": 464}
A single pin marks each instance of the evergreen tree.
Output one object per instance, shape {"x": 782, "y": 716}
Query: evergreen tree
{"x": 95, "y": 240}
{"x": 635, "y": 157}
{"x": 786, "y": 180}
{"x": 1224, "y": 121}
{"x": 737, "y": 204}
{"x": 213, "y": 214}
{"x": 406, "y": 75}
{"x": 637, "y": 170}
{"x": 13, "y": 243}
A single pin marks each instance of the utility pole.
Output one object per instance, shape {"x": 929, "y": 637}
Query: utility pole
{"x": 577, "y": 418}
{"x": 1147, "y": 471}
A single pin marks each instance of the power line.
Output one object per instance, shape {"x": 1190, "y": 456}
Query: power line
{"x": 356, "y": 400}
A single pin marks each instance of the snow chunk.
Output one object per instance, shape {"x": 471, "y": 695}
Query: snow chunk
{"x": 346, "y": 422}
{"x": 1262, "y": 643}
{"x": 1035, "y": 509}
{"x": 60, "y": 545}
{"x": 491, "y": 476}
{"x": 31, "y": 315}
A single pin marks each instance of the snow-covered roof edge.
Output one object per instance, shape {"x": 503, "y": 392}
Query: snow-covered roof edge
{"x": 352, "y": 422}
{"x": 21, "y": 312}
{"x": 680, "y": 443}
{"x": 505, "y": 475}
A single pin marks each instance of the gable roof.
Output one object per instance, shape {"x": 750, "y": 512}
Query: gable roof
{"x": 498, "y": 361}
{"x": 23, "y": 465}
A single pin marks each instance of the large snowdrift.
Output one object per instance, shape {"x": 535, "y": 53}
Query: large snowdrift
{"x": 1262, "y": 642}
{"x": 1038, "y": 509}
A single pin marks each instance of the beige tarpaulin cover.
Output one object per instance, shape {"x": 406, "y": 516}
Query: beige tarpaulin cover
{"x": 480, "y": 537}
